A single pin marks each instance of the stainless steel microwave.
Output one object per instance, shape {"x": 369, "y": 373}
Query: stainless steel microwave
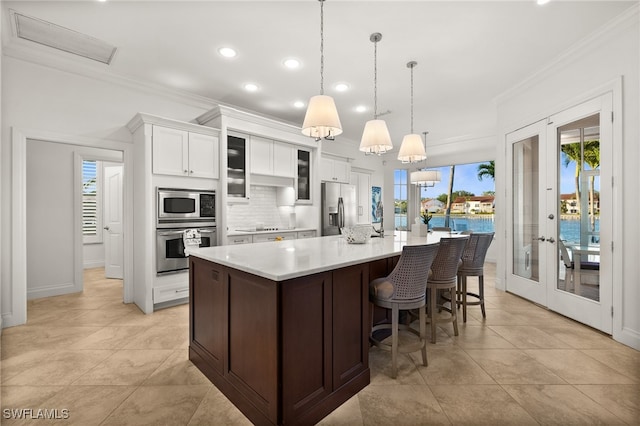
{"x": 178, "y": 206}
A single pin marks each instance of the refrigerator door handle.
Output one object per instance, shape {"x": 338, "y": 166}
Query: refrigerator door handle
{"x": 340, "y": 213}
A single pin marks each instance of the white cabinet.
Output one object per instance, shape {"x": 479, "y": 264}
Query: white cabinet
{"x": 335, "y": 170}
{"x": 182, "y": 153}
{"x": 305, "y": 234}
{"x": 272, "y": 158}
{"x": 168, "y": 293}
{"x": 261, "y": 238}
{"x": 239, "y": 239}
{"x": 362, "y": 182}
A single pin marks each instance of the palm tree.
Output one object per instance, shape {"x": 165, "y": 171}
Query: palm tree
{"x": 448, "y": 212}
{"x": 572, "y": 152}
{"x": 487, "y": 170}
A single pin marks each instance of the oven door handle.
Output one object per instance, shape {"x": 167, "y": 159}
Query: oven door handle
{"x": 206, "y": 231}
{"x": 167, "y": 233}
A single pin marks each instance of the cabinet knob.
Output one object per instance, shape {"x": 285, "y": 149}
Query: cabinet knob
{"x": 190, "y": 171}
{"x": 186, "y": 171}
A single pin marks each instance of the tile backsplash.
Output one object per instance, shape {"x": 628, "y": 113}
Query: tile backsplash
{"x": 262, "y": 207}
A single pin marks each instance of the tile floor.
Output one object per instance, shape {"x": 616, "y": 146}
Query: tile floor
{"x": 109, "y": 364}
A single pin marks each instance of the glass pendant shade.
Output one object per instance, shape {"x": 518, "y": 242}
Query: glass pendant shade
{"x": 321, "y": 120}
{"x": 375, "y": 137}
{"x": 425, "y": 177}
{"x": 412, "y": 149}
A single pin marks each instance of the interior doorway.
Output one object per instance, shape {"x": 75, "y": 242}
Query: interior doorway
{"x": 102, "y": 218}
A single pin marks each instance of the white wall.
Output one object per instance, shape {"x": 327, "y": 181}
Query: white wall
{"x": 574, "y": 78}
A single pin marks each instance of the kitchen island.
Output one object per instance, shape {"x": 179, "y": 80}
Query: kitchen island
{"x": 281, "y": 328}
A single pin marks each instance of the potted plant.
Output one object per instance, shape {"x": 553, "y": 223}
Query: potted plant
{"x": 426, "y": 217}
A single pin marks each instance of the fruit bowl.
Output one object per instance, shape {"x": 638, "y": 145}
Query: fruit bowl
{"x": 356, "y": 234}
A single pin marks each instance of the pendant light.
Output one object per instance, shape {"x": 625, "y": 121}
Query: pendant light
{"x": 425, "y": 177}
{"x": 375, "y": 137}
{"x": 321, "y": 120}
{"x": 411, "y": 149}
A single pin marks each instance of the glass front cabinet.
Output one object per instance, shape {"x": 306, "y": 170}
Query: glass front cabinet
{"x": 237, "y": 168}
{"x": 303, "y": 177}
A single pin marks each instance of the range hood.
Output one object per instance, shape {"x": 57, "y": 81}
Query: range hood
{"x": 265, "y": 180}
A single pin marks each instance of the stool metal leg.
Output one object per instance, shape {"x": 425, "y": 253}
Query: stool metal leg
{"x": 432, "y": 312}
{"x": 394, "y": 341}
{"x": 464, "y": 298}
{"x": 423, "y": 333}
{"x": 481, "y": 285}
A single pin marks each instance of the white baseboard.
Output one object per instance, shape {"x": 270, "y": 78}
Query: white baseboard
{"x": 54, "y": 290}
{"x": 93, "y": 264}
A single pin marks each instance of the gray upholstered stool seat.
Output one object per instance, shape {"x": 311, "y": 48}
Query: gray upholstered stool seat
{"x": 404, "y": 289}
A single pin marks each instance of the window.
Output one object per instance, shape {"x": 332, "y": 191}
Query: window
{"x": 473, "y": 195}
{"x": 91, "y": 202}
{"x": 400, "y": 191}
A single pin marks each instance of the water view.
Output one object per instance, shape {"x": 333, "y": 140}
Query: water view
{"x": 569, "y": 228}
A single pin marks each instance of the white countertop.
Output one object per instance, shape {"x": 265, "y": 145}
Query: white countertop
{"x": 283, "y": 260}
{"x": 235, "y": 232}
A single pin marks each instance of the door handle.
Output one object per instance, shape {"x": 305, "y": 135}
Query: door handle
{"x": 551, "y": 240}
{"x": 106, "y": 228}
{"x": 540, "y": 238}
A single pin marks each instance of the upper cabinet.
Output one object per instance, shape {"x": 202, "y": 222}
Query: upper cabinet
{"x": 272, "y": 158}
{"x": 334, "y": 170}
{"x": 303, "y": 176}
{"x": 237, "y": 168}
{"x": 181, "y": 153}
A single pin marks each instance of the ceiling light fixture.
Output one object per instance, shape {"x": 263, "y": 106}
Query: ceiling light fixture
{"x": 425, "y": 177}
{"x": 541, "y": 2}
{"x": 342, "y": 87}
{"x": 375, "y": 137}
{"x": 251, "y": 87}
{"x": 411, "y": 150}
{"x": 227, "y": 52}
{"x": 291, "y": 63}
{"x": 298, "y": 104}
{"x": 361, "y": 108}
{"x": 321, "y": 120}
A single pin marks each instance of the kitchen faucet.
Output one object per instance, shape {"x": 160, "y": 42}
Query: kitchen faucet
{"x": 380, "y": 214}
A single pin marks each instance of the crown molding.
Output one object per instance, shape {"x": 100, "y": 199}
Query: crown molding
{"x": 611, "y": 29}
{"x": 143, "y": 118}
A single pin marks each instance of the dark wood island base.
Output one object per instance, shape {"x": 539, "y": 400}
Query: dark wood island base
{"x": 284, "y": 352}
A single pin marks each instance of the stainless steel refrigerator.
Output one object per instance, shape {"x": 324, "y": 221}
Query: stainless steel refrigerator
{"x": 339, "y": 207}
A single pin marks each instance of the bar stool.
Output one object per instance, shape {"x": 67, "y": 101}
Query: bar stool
{"x": 473, "y": 266}
{"x": 404, "y": 289}
{"x": 443, "y": 277}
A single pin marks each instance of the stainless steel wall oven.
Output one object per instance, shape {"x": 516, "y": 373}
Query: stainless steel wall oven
{"x": 177, "y": 211}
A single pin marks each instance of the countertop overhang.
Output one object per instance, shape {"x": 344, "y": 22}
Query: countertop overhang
{"x": 283, "y": 260}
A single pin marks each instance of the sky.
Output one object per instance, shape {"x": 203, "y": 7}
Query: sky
{"x": 466, "y": 179}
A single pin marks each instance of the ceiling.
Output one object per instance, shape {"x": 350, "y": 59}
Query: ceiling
{"x": 468, "y": 53}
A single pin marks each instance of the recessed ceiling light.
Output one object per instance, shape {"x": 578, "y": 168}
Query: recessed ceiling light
{"x": 291, "y": 63}
{"x": 361, "y": 108}
{"x": 227, "y": 52}
{"x": 341, "y": 87}
{"x": 250, "y": 87}
{"x": 298, "y": 104}
{"x": 543, "y": 2}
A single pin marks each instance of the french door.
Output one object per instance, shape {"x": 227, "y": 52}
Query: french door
{"x": 559, "y": 230}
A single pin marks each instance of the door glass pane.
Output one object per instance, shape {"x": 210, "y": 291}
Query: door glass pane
{"x": 525, "y": 209}
{"x": 579, "y": 207}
